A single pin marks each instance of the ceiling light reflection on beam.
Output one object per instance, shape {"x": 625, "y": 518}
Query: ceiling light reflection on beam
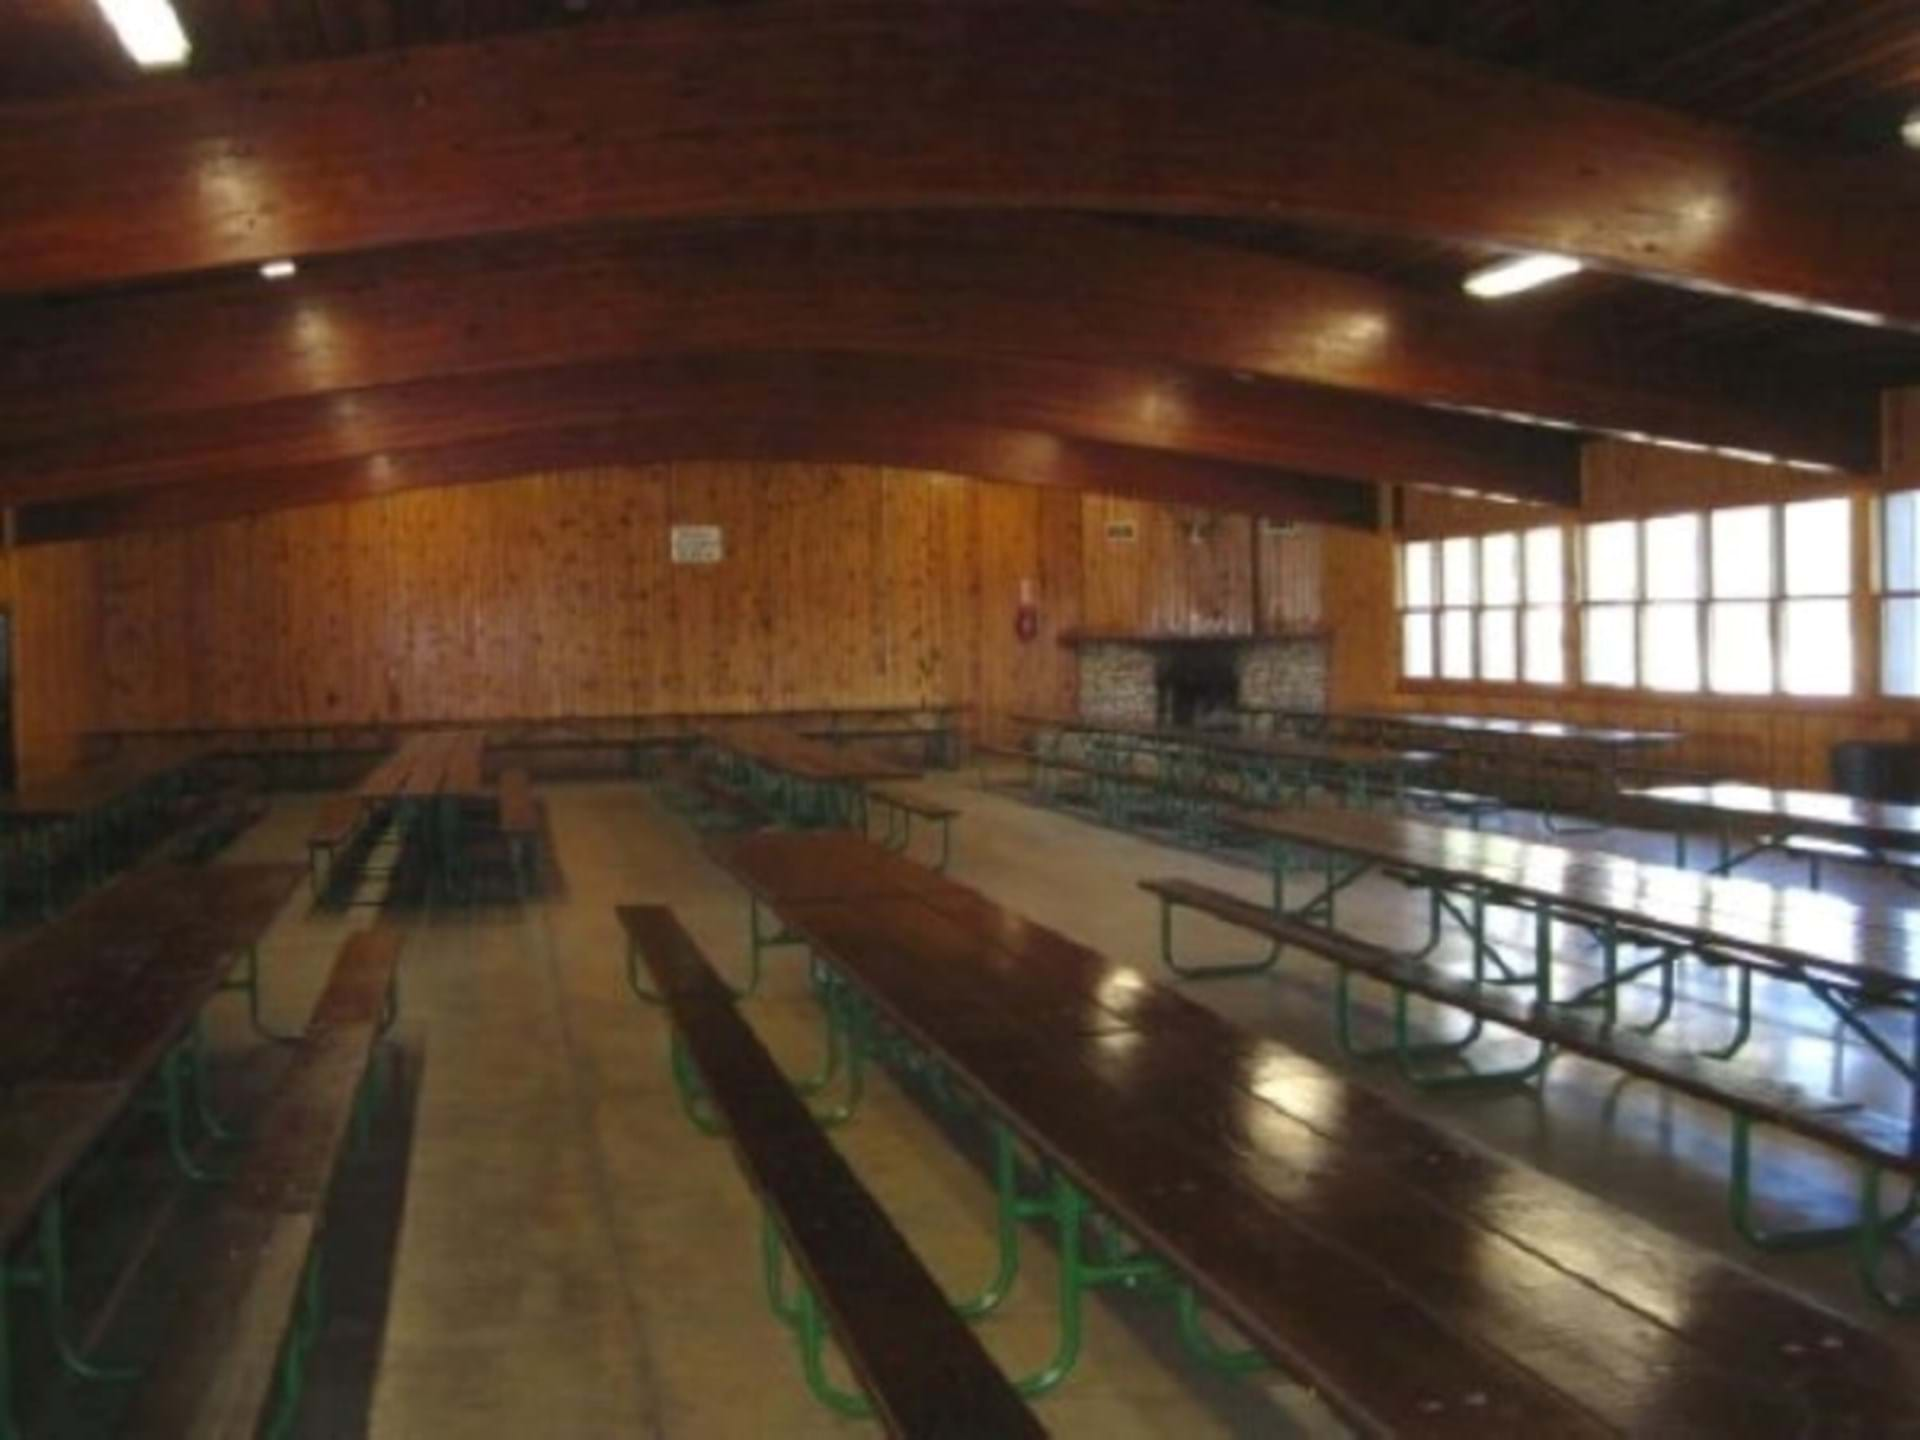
{"x": 279, "y": 270}
{"x": 150, "y": 31}
{"x": 1522, "y": 272}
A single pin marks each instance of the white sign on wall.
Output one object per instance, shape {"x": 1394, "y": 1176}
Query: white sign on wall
{"x": 697, "y": 545}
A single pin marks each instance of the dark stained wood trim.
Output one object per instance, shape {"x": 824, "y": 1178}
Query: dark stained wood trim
{"x": 953, "y": 285}
{"x": 782, "y": 108}
{"x": 863, "y": 436}
{"x": 1288, "y": 427}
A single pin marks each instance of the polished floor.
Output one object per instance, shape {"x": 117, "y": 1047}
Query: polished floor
{"x": 569, "y": 1259}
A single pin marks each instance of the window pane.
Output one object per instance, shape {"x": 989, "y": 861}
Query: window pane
{"x": 1417, "y": 570}
{"x": 1500, "y": 570}
{"x": 1613, "y": 561}
{"x": 1743, "y": 555}
{"x": 1546, "y": 568}
{"x": 1456, "y": 571}
{"x": 1819, "y": 545}
{"x": 1546, "y": 646}
{"x": 1416, "y": 645}
{"x": 1740, "y": 658}
{"x": 1609, "y": 643}
{"x": 1900, "y": 647}
{"x": 1456, "y": 644}
{"x": 1673, "y": 558}
{"x": 1901, "y": 523}
{"x": 1670, "y": 646}
{"x": 1499, "y": 645}
{"x": 1816, "y": 643}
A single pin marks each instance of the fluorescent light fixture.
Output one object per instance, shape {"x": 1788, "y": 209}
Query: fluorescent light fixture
{"x": 149, "y": 30}
{"x": 1910, "y": 129}
{"x": 279, "y": 270}
{"x": 1523, "y": 272}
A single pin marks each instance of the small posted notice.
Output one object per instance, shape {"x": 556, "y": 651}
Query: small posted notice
{"x": 697, "y": 545}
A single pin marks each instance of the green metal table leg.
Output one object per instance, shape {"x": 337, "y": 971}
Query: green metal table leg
{"x": 175, "y": 1081}
{"x": 49, "y": 1277}
{"x": 686, "y": 1084}
{"x": 249, "y": 981}
{"x": 308, "y": 1323}
{"x": 1740, "y": 1203}
{"x": 1205, "y": 972}
{"x": 634, "y": 982}
{"x": 1743, "y": 1019}
{"x": 9, "y": 1428}
{"x": 1871, "y": 1246}
{"x": 1006, "y": 1232}
{"x": 1203, "y": 1347}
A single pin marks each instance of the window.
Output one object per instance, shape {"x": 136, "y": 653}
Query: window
{"x": 1900, "y": 594}
{"x": 1500, "y": 599}
{"x": 1457, "y": 567}
{"x": 1747, "y": 600}
{"x": 1739, "y": 626}
{"x": 1670, "y": 621}
{"x": 1816, "y": 627}
{"x": 1490, "y": 608}
{"x": 1612, "y": 585}
{"x": 1544, "y": 642}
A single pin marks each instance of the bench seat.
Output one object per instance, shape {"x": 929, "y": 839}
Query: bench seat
{"x": 901, "y": 808}
{"x": 921, "y": 1369}
{"x": 1867, "y": 1135}
{"x": 238, "y": 1339}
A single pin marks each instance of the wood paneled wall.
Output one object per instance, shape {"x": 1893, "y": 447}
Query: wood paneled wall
{"x": 553, "y": 596}
{"x": 56, "y": 656}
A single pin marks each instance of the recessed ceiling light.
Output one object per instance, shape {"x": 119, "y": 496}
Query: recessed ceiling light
{"x": 149, "y": 30}
{"x": 1523, "y": 272}
{"x": 1910, "y": 129}
{"x": 279, "y": 270}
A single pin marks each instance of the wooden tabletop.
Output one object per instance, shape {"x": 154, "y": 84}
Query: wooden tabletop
{"x": 90, "y": 1004}
{"x": 438, "y": 763}
{"x": 1277, "y": 747}
{"x": 804, "y": 759}
{"x": 95, "y": 787}
{"x": 1454, "y": 1294}
{"x": 1874, "y": 823}
{"x": 1483, "y": 727}
{"x": 1877, "y": 946}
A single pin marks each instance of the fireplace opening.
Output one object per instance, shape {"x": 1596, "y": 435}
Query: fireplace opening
{"x": 1197, "y": 685}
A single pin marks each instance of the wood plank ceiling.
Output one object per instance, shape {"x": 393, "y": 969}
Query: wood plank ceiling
{"x": 1219, "y": 323}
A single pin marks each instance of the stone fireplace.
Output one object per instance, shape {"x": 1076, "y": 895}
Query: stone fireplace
{"x": 1199, "y": 681}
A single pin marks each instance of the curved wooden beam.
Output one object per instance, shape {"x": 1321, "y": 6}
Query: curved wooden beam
{"x": 783, "y": 108}
{"x": 1322, "y": 432}
{"x": 986, "y": 452}
{"x": 958, "y": 286}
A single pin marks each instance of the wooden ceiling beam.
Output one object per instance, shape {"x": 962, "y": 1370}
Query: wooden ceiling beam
{"x": 1290, "y": 427}
{"x": 864, "y": 436}
{"x": 961, "y": 286}
{"x": 861, "y": 105}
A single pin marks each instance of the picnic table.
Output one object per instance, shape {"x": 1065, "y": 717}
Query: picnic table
{"x": 1556, "y": 767}
{"x": 1273, "y": 765}
{"x": 1814, "y": 825}
{"x": 1857, "y": 960}
{"x": 428, "y": 785}
{"x": 805, "y": 782}
{"x": 87, "y": 809}
{"x": 95, "y": 1007}
{"x": 1453, "y": 1294}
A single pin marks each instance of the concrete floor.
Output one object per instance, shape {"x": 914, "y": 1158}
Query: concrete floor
{"x": 572, "y": 1260}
